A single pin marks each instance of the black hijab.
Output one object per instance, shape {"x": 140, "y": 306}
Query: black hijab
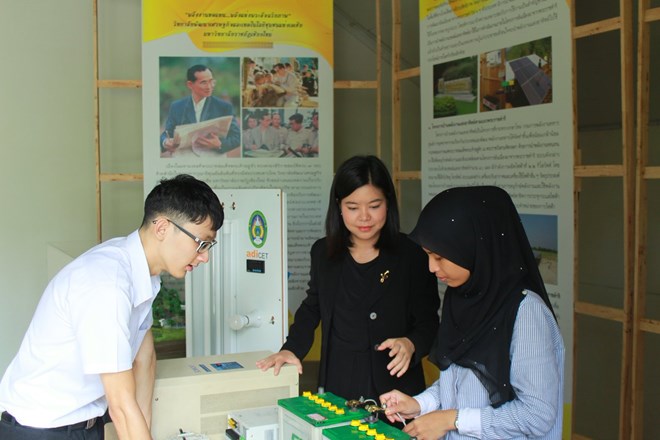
{"x": 479, "y": 229}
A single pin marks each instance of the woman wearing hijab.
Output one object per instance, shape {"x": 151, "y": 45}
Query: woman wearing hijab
{"x": 369, "y": 288}
{"x": 499, "y": 348}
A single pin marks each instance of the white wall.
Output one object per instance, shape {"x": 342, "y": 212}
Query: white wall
{"x": 47, "y": 185}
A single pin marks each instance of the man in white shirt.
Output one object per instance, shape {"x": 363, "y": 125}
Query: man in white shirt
{"x": 288, "y": 81}
{"x": 299, "y": 139}
{"x": 89, "y": 347}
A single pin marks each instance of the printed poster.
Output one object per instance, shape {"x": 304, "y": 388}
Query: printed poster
{"x": 239, "y": 94}
{"x": 496, "y": 96}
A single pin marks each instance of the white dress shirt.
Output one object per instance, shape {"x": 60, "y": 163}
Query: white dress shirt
{"x": 91, "y": 319}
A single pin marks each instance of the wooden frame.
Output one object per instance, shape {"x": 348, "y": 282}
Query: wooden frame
{"x": 634, "y": 173}
{"x": 644, "y": 172}
{"x": 109, "y": 84}
{"x": 622, "y": 24}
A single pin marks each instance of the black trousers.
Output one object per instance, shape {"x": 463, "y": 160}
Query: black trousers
{"x": 10, "y": 429}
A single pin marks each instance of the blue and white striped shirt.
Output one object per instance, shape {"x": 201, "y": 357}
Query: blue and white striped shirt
{"x": 537, "y": 375}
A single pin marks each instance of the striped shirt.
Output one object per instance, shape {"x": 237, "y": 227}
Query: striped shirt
{"x": 537, "y": 375}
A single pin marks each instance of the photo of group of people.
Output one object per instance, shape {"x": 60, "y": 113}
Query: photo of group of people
{"x": 512, "y": 77}
{"x": 280, "y": 133}
{"x": 280, "y": 82}
{"x": 238, "y": 107}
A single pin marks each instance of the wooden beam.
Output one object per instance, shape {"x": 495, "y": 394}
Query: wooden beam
{"x": 652, "y": 14}
{"x": 356, "y": 84}
{"x": 598, "y": 311}
{"x": 636, "y": 405}
{"x": 598, "y": 170}
{"x": 650, "y": 326}
{"x": 118, "y": 84}
{"x": 379, "y": 82}
{"x": 598, "y": 27}
{"x": 121, "y": 177}
{"x": 627, "y": 91}
{"x": 651, "y": 172}
{"x": 409, "y": 175}
{"x": 396, "y": 95}
{"x": 97, "y": 125}
{"x": 408, "y": 73}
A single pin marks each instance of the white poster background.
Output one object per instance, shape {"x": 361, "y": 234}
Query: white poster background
{"x": 305, "y": 180}
{"x": 495, "y": 139}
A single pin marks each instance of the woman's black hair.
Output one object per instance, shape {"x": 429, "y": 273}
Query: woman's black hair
{"x": 351, "y": 175}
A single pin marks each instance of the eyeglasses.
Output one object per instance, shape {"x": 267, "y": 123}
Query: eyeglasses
{"x": 202, "y": 245}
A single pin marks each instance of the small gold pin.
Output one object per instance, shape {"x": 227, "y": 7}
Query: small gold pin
{"x": 384, "y": 276}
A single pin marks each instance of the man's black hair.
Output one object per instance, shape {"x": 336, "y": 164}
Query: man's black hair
{"x": 183, "y": 199}
{"x": 190, "y": 75}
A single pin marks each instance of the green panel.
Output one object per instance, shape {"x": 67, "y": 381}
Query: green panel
{"x": 598, "y": 346}
{"x": 651, "y": 387}
{"x": 599, "y": 80}
{"x": 361, "y": 432}
{"x": 654, "y": 93}
{"x": 121, "y": 130}
{"x": 316, "y": 414}
{"x": 589, "y": 12}
{"x": 653, "y": 251}
{"x": 122, "y": 208}
{"x": 600, "y": 242}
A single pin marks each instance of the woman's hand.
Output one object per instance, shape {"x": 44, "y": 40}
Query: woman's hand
{"x": 401, "y": 350}
{"x": 431, "y": 426}
{"x": 399, "y": 406}
{"x": 278, "y": 359}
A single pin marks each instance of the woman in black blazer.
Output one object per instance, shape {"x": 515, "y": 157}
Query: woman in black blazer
{"x": 371, "y": 290}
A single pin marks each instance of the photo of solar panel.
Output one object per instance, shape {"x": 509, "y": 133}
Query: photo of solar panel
{"x": 533, "y": 81}
{"x": 516, "y": 76}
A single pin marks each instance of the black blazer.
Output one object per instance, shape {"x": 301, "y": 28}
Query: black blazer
{"x": 406, "y": 304}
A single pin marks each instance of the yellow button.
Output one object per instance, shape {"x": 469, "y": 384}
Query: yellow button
{"x": 307, "y": 393}
{"x": 371, "y": 432}
{"x": 363, "y": 427}
{"x": 339, "y": 411}
{"x": 355, "y": 422}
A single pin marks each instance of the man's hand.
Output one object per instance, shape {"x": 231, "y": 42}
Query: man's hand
{"x": 123, "y": 407}
{"x": 171, "y": 144}
{"x": 209, "y": 142}
{"x": 144, "y": 372}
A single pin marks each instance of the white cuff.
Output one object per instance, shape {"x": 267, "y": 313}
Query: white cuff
{"x": 426, "y": 403}
{"x": 469, "y": 422}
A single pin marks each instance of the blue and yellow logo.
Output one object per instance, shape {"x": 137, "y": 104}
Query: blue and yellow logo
{"x": 258, "y": 229}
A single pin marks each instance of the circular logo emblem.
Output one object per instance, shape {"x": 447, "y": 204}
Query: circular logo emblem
{"x": 258, "y": 229}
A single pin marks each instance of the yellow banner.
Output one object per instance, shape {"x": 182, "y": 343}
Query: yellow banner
{"x": 461, "y": 8}
{"x": 216, "y": 26}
